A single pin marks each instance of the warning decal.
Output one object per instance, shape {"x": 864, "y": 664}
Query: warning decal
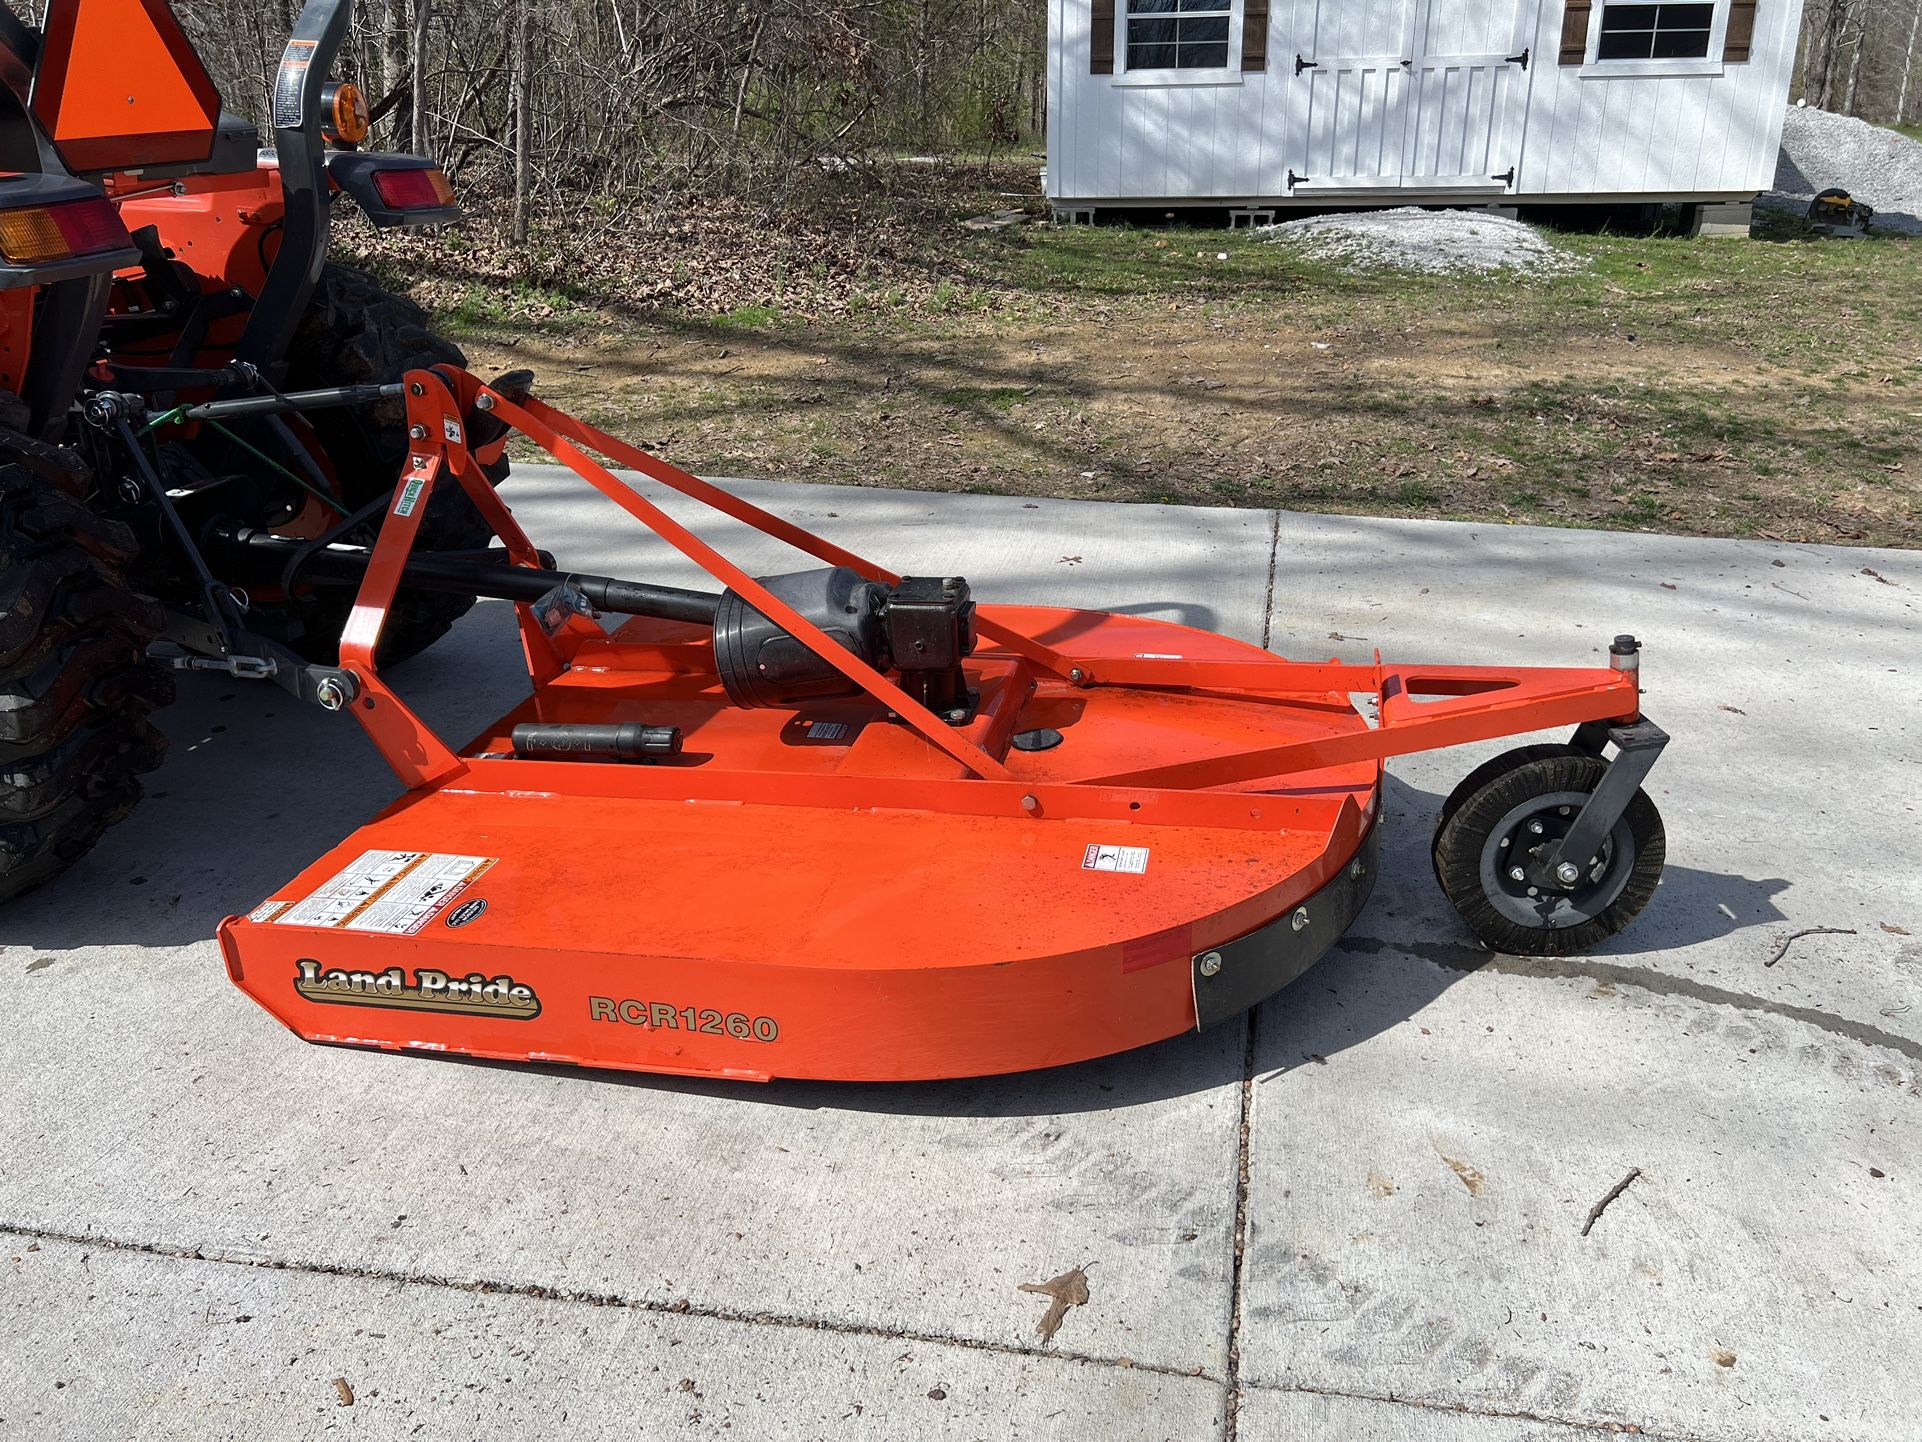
{"x": 267, "y": 911}
{"x": 392, "y": 892}
{"x": 1130, "y": 859}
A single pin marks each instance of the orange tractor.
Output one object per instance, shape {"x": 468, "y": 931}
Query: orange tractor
{"x": 835, "y": 823}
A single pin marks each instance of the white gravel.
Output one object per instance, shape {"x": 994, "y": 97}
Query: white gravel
{"x": 1430, "y": 242}
{"x": 1876, "y": 166}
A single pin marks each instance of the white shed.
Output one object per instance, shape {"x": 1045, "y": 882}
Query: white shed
{"x": 1260, "y": 104}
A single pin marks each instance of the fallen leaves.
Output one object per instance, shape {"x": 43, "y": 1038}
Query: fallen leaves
{"x": 1070, "y": 1289}
{"x": 1471, "y": 1177}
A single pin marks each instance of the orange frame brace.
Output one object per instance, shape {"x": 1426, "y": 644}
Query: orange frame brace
{"x": 1421, "y": 707}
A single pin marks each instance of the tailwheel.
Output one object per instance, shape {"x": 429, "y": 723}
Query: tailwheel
{"x": 1491, "y": 848}
{"x": 1483, "y": 774}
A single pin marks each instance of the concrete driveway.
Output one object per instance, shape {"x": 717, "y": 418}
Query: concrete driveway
{"x": 1356, "y": 1216}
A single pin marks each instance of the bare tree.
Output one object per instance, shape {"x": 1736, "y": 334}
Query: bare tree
{"x": 523, "y": 122}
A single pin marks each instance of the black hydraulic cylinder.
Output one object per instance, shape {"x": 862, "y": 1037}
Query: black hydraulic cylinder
{"x": 625, "y": 741}
{"x": 294, "y": 402}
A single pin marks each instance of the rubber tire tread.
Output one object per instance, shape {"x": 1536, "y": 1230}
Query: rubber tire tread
{"x": 1458, "y": 852}
{"x": 1485, "y": 773}
{"x": 356, "y": 333}
{"x": 76, "y": 686}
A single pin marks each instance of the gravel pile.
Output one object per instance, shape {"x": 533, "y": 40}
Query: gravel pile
{"x": 1874, "y": 165}
{"x": 1429, "y": 242}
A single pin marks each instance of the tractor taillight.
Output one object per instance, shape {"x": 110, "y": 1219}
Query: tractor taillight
{"x": 414, "y": 189}
{"x": 40, "y": 233}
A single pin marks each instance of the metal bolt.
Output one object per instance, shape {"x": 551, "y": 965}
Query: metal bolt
{"x": 331, "y": 694}
{"x": 420, "y": 463}
{"x": 1567, "y": 809}
{"x": 418, "y": 389}
{"x": 1515, "y": 873}
{"x": 1210, "y": 963}
{"x": 1356, "y": 868}
{"x": 419, "y": 433}
{"x": 483, "y": 402}
{"x": 1077, "y": 675}
{"x": 1535, "y": 828}
{"x": 1568, "y": 873}
{"x": 1030, "y": 803}
{"x": 1300, "y": 918}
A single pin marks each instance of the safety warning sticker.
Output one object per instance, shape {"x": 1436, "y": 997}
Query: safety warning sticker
{"x": 1130, "y": 859}
{"x": 393, "y": 892}
{"x": 267, "y": 910}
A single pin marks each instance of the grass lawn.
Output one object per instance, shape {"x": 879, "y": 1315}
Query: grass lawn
{"x": 1769, "y": 388}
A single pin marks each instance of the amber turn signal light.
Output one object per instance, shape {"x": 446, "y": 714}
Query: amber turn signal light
{"x": 344, "y": 118}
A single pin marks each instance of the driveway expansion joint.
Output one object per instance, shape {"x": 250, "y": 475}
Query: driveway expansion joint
{"x": 583, "y": 1297}
{"x": 1231, "y": 1409}
{"x": 1464, "y": 958}
{"x": 1498, "y": 1414}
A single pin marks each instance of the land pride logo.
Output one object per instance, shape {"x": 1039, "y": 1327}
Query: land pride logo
{"x": 424, "y": 990}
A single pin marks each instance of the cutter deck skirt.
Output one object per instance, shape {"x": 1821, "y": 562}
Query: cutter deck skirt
{"x": 735, "y": 938}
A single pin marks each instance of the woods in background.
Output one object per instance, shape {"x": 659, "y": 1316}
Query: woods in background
{"x": 547, "y": 99}
{"x": 1861, "y": 57}
{"x": 620, "y": 96}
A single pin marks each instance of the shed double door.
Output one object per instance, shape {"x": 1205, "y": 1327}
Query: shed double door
{"x": 1406, "y": 95}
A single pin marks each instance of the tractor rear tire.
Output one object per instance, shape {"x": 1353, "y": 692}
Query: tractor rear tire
{"x": 76, "y": 687}
{"x": 357, "y": 333}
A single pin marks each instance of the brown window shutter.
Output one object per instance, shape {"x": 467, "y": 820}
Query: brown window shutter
{"x": 1254, "y": 35}
{"x": 1575, "y": 32}
{"x": 1741, "y": 30}
{"x": 1101, "y": 39}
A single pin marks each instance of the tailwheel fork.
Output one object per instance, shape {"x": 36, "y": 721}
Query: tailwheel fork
{"x": 1551, "y": 849}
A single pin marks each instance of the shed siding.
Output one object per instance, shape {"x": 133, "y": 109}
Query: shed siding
{"x": 1461, "y": 111}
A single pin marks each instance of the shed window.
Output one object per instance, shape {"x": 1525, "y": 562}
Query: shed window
{"x": 1655, "y": 32}
{"x": 1178, "y": 34}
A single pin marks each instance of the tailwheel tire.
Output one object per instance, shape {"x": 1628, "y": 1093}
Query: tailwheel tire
{"x": 76, "y": 687}
{"x": 1493, "y": 833}
{"x": 357, "y": 333}
{"x": 1481, "y": 776}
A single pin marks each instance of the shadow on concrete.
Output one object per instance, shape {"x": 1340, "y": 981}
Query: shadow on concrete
{"x": 1366, "y": 986}
{"x": 1392, "y": 965}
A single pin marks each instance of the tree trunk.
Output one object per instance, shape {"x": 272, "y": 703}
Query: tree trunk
{"x": 1908, "y": 62}
{"x": 1855, "y": 71}
{"x": 523, "y": 121}
{"x": 1822, "y": 70}
{"x": 423, "y": 11}
{"x": 393, "y": 66}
